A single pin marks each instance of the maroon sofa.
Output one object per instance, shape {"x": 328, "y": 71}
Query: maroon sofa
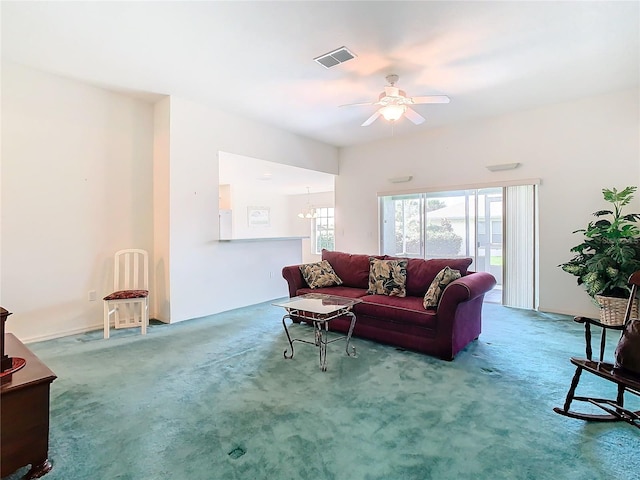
{"x": 403, "y": 321}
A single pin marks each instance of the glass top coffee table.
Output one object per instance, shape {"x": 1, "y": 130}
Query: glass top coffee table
{"x": 319, "y": 309}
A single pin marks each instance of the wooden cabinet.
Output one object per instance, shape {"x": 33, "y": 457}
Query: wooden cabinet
{"x": 24, "y": 423}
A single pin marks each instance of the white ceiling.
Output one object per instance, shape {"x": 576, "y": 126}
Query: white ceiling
{"x": 256, "y": 58}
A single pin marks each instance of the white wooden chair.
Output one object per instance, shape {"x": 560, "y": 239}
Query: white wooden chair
{"x": 129, "y": 302}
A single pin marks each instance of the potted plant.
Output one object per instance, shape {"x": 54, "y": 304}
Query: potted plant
{"x": 608, "y": 254}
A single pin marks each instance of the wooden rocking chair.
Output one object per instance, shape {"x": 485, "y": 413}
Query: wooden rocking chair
{"x": 625, "y": 380}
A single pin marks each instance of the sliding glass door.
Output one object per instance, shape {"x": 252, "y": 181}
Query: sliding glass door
{"x": 467, "y": 223}
{"x": 489, "y": 246}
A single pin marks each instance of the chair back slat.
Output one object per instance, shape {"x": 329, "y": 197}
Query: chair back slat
{"x": 127, "y": 280}
{"x": 131, "y": 270}
{"x": 136, "y": 267}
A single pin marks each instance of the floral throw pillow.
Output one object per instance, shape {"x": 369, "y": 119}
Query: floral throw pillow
{"x": 387, "y": 277}
{"x": 434, "y": 292}
{"x": 320, "y": 274}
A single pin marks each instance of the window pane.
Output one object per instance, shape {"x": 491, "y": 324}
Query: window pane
{"x": 489, "y": 249}
{"x": 324, "y": 231}
{"x": 401, "y": 225}
{"x": 447, "y": 224}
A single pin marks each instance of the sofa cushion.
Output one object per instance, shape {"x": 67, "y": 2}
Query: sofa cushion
{"x": 127, "y": 294}
{"x": 387, "y": 277}
{"x": 420, "y": 272}
{"x": 340, "y": 291}
{"x": 443, "y": 278}
{"x": 399, "y": 310}
{"x": 353, "y": 269}
{"x": 319, "y": 274}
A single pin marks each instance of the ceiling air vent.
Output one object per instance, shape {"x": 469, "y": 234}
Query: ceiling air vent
{"x": 335, "y": 57}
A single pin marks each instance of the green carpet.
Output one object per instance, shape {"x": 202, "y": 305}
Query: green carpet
{"x": 213, "y": 398}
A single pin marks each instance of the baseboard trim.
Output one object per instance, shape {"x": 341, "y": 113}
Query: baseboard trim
{"x": 569, "y": 313}
{"x": 65, "y": 333}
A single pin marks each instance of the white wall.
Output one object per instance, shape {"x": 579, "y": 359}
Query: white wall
{"x": 245, "y": 196}
{"x": 86, "y": 172}
{"x": 76, "y": 187}
{"x": 160, "y": 301}
{"x": 207, "y": 276}
{"x": 576, "y": 148}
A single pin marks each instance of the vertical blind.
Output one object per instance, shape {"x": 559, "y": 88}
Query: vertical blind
{"x": 519, "y": 286}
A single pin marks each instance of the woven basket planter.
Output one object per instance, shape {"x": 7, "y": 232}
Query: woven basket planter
{"x": 612, "y": 309}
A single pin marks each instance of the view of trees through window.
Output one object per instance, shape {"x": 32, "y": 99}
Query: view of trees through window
{"x": 445, "y": 224}
{"x": 408, "y": 225}
{"x": 440, "y": 237}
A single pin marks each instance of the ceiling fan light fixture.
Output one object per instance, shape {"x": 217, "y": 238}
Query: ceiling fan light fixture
{"x": 392, "y": 113}
{"x": 394, "y": 104}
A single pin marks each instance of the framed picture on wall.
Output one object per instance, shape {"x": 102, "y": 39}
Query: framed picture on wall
{"x": 258, "y": 216}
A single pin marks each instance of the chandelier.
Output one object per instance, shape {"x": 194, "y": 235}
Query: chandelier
{"x": 309, "y": 211}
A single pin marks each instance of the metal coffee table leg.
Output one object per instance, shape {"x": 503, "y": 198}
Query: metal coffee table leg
{"x": 351, "y": 327}
{"x": 321, "y": 342}
{"x": 286, "y": 330}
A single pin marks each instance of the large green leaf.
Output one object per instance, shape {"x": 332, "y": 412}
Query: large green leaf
{"x": 623, "y": 197}
{"x": 600, "y": 213}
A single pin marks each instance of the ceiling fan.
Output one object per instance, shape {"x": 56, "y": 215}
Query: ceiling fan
{"x": 394, "y": 103}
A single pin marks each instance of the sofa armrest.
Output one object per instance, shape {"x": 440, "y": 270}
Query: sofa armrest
{"x": 465, "y": 289}
{"x": 294, "y": 278}
{"x": 460, "y": 312}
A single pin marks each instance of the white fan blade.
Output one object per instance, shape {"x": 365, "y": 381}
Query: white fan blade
{"x": 357, "y": 104}
{"x": 414, "y": 116}
{"x": 431, "y": 99}
{"x": 371, "y": 119}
